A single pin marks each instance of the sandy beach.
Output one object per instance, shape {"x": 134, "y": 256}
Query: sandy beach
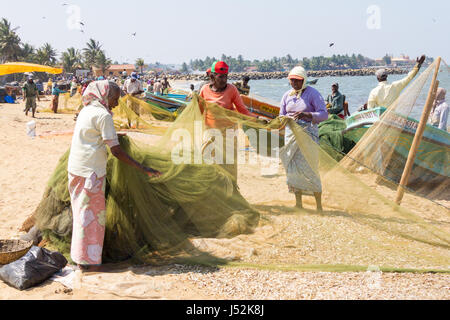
{"x": 27, "y": 164}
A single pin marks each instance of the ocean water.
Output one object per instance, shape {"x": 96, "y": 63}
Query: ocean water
{"x": 356, "y": 89}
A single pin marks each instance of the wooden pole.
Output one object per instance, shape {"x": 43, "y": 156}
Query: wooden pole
{"x": 419, "y": 134}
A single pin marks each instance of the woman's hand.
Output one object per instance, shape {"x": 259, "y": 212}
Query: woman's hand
{"x": 152, "y": 173}
{"x": 306, "y": 116}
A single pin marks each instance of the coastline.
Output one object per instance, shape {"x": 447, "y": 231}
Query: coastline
{"x": 284, "y": 74}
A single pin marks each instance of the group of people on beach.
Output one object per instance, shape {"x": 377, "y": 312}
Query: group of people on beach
{"x": 95, "y": 130}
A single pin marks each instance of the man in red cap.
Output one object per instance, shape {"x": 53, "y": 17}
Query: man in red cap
{"x": 226, "y": 95}
{"x": 220, "y": 92}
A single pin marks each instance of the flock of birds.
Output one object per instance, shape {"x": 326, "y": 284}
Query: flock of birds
{"x": 82, "y": 23}
{"x": 135, "y": 33}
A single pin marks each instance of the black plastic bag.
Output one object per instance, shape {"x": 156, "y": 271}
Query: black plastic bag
{"x": 35, "y": 267}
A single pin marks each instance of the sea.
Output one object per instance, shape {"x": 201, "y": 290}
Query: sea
{"x": 355, "y": 88}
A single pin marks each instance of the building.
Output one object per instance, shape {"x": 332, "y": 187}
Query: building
{"x": 402, "y": 61}
{"x": 115, "y": 70}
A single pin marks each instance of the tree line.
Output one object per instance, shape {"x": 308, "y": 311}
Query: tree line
{"x": 240, "y": 64}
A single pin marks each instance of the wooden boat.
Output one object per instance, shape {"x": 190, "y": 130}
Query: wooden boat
{"x": 431, "y": 168}
{"x": 260, "y": 107}
{"x": 166, "y": 103}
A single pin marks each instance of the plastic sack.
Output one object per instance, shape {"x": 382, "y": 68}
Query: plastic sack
{"x": 35, "y": 267}
{"x": 31, "y": 129}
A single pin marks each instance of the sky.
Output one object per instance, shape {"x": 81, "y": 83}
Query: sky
{"x": 175, "y": 31}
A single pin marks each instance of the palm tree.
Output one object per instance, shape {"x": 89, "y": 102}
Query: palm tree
{"x": 9, "y": 42}
{"x": 71, "y": 59}
{"x": 28, "y": 53}
{"x": 92, "y": 50}
{"x": 102, "y": 62}
{"x": 140, "y": 63}
{"x": 46, "y": 55}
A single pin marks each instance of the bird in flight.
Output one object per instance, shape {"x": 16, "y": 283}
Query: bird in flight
{"x": 81, "y": 23}
{"x": 134, "y": 34}
{"x": 331, "y": 44}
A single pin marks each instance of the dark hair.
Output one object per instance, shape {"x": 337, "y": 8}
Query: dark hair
{"x": 246, "y": 78}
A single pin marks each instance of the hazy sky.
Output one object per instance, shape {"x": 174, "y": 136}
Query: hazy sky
{"x": 174, "y": 31}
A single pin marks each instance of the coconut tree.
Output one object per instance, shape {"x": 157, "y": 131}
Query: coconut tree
{"x": 28, "y": 53}
{"x": 102, "y": 62}
{"x": 90, "y": 53}
{"x": 140, "y": 63}
{"x": 46, "y": 55}
{"x": 9, "y": 42}
{"x": 71, "y": 60}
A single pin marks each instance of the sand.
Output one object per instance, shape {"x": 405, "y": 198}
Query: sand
{"x": 25, "y": 167}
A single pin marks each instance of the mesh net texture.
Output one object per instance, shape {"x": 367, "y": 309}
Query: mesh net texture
{"x": 205, "y": 209}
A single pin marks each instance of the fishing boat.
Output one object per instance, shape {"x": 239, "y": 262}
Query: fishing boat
{"x": 431, "y": 167}
{"x": 260, "y": 107}
{"x": 171, "y": 104}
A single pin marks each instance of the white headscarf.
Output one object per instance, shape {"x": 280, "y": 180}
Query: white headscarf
{"x": 97, "y": 91}
{"x": 299, "y": 73}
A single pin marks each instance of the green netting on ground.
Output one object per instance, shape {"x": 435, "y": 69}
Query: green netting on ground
{"x": 200, "y": 212}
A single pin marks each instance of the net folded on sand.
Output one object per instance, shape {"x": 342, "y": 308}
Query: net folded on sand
{"x": 198, "y": 212}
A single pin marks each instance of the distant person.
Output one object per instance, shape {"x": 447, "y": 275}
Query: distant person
{"x": 384, "y": 95}
{"x": 335, "y": 102}
{"x": 133, "y": 86}
{"x": 49, "y": 88}
{"x": 166, "y": 86}
{"x": 243, "y": 86}
{"x": 73, "y": 86}
{"x": 55, "y": 99}
{"x": 191, "y": 93}
{"x": 158, "y": 88}
{"x": 439, "y": 114}
{"x": 30, "y": 94}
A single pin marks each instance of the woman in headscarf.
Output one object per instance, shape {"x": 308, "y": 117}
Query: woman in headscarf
{"x": 439, "y": 114}
{"x": 94, "y": 131}
{"x": 307, "y": 107}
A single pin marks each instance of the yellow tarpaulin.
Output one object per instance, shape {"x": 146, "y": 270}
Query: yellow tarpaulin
{"x": 21, "y": 67}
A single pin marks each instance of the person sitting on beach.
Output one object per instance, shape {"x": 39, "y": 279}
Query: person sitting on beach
{"x": 306, "y": 106}
{"x": 335, "y": 102}
{"x": 55, "y": 99}
{"x": 243, "y": 86}
{"x": 384, "y": 95}
{"x": 439, "y": 114}
{"x": 88, "y": 157}
{"x": 30, "y": 94}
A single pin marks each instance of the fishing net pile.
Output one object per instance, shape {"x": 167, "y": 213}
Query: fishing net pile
{"x": 200, "y": 212}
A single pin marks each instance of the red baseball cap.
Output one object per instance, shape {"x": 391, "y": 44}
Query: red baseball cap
{"x": 220, "y": 67}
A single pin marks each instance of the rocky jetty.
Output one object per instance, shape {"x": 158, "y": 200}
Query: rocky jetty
{"x": 283, "y": 75}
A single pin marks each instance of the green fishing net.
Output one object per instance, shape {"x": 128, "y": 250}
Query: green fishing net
{"x": 207, "y": 210}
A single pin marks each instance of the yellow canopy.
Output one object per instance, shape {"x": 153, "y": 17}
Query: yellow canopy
{"x": 21, "y": 67}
